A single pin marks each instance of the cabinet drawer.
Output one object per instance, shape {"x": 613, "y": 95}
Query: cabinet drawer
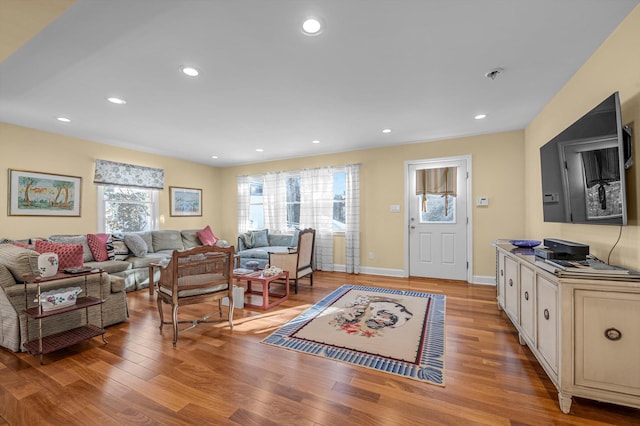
{"x": 607, "y": 340}
{"x": 547, "y": 320}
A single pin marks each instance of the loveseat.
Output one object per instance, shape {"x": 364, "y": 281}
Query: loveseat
{"x": 256, "y": 246}
{"x": 15, "y": 262}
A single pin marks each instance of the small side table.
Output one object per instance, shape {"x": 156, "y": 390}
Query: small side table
{"x": 152, "y": 268}
{"x": 265, "y": 293}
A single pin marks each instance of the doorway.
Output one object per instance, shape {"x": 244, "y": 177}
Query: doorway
{"x": 438, "y": 218}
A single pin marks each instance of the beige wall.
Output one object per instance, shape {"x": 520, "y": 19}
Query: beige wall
{"x": 28, "y": 149}
{"x": 497, "y": 163}
{"x": 615, "y": 66}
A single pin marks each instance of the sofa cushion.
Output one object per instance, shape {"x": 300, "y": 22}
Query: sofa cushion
{"x": 260, "y": 238}
{"x": 166, "y": 240}
{"x": 98, "y": 246}
{"x": 110, "y": 266}
{"x": 19, "y": 261}
{"x": 190, "y": 238}
{"x": 143, "y": 262}
{"x": 87, "y": 256}
{"x": 69, "y": 255}
{"x": 207, "y": 237}
{"x": 136, "y": 245}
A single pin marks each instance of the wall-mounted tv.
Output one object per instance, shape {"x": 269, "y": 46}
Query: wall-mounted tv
{"x": 583, "y": 169}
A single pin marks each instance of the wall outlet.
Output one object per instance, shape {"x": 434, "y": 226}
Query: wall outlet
{"x": 371, "y": 255}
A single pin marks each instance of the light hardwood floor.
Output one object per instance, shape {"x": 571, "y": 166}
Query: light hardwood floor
{"x": 215, "y": 376}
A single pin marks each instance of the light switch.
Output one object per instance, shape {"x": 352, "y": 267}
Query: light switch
{"x": 394, "y": 208}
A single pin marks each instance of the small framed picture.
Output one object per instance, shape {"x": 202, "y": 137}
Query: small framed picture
{"x": 43, "y": 194}
{"x": 185, "y": 201}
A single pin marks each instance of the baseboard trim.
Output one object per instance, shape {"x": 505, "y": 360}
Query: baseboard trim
{"x": 385, "y": 272}
{"x": 484, "y": 280}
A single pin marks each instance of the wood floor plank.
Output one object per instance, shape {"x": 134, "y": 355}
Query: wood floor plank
{"x": 223, "y": 377}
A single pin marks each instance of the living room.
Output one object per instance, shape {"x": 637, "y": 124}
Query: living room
{"x": 506, "y": 169}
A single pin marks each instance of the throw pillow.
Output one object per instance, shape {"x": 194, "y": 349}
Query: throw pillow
{"x": 136, "y": 245}
{"x": 120, "y": 249}
{"x": 247, "y": 240}
{"x": 98, "y": 246}
{"x": 75, "y": 239}
{"x": 207, "y": 237}
{"x": 19, "y": 261}
{"x": 69, "y": 255}
{"x": 294, "y": 238}
{"x": 110, "y": 250}
{"x": 260, "y": 238}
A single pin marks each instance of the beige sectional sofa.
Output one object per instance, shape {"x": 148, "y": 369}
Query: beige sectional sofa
{"x": 120, "y": 276}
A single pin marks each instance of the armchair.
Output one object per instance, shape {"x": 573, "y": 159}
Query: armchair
{"x": 198, "y": 275}
{"x": 299, "y": 263}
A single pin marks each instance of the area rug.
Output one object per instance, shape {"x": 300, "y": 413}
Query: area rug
{"x": 395, "y": 331}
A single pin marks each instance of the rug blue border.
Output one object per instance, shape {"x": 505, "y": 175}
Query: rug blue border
{"x": 431, "y": 367}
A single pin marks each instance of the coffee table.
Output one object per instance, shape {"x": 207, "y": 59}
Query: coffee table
{"x": 264, "y": 292}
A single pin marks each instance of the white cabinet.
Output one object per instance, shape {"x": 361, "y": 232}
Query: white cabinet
{"x": 584, "y": 332}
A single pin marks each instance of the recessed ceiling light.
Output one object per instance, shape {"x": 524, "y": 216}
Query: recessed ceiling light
{"x": 117, "y": 101}
{"x": 386, "y": 130}
{"x": 480, "y": 116}
{"x": 215, "y": 157}
{"x": 316, "y": 141}
{"x": 312, "y": 27}
{"x": 63, "y": 119}
{"x": 190, "y": 71}
{"x": 259, "y": 150}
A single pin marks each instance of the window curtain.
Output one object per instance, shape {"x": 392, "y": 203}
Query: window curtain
{"x": 352, "y": 205}
{"x": 316, "y": 211}
{"x": 274, "y": 192}
{"x": 440, "y": 181}
{"x": 122, "y": 174}
{"x": 244, "y": 198}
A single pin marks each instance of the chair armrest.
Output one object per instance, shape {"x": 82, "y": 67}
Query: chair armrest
{"x": 285, "y": 261}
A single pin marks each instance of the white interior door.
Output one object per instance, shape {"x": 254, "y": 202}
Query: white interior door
{"x": 438, "y": 224}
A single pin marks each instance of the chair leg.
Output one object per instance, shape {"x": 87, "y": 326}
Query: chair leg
{"x": 311, "y": 278}
{"x": 160, "y": 311}
{"x": 174, "y": 321}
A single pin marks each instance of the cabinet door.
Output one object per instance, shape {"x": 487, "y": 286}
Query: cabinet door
{"x": 527, "y": 306}
{"x": 607, "y": 340}
{"x": 511, "y": 293}
{"x": 547, "y": 320}
{"x": 500, "y": 279}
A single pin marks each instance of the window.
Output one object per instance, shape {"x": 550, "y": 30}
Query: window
{"x": 339, "y": 207}
{"x": 256, "y": 203}
{"x": 256, "y": 206}
{"x": 127, "y": 209}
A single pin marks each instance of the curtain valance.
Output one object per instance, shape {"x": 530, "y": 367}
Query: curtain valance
{"x": 441, "y": 181}
{"x": 122, "y": 174}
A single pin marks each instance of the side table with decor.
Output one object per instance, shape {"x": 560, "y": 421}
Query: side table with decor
{"x": 56, "y": 302}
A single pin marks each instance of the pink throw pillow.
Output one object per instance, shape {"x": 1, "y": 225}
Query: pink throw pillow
{"x": 98, "y": 245}
{"x": 69, "y": 255}
{"x": 206, "y": 236}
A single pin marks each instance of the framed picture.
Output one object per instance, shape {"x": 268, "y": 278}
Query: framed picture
{"x": 43, "y": 194}
{"x": 185, "y": 201}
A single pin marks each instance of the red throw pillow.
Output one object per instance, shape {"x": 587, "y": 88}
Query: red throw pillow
{"x": 69, "y": 255}
{"x": 206, "y": 236}
{"x": 98, "y": 245}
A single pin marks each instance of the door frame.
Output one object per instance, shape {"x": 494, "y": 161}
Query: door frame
{"x": 407, "y": 184}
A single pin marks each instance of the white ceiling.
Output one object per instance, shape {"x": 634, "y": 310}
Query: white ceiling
{"x": 416, "y": 67}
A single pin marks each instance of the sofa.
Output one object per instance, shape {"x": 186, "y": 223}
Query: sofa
{"x": 136, "y": 251}
{"x": 15, "y": 262}
{"x": 256, "y": 246}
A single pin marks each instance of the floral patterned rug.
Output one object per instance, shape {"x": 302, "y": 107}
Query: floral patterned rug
{"x": 395, "y": 331}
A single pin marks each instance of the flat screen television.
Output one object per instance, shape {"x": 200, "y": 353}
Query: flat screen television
{"x": 583, "y": 169}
